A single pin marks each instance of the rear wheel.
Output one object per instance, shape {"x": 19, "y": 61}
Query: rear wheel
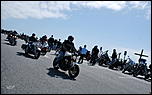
{"x": 74, "y": 71}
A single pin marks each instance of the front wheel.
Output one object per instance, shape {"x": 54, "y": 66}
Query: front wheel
{"x": 26, "y": 51}
{"x": 110, "y": 66}
{"x": 74, "y": 71}
{"x": 55, "y": 64}
{"x": 146, "y": 76}
{"x": 37, "y": 55}
{"x": 44, "y": 53}
{"x": 135, "y": 73}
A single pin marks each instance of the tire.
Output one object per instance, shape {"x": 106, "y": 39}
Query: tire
{"x": 111, "y": 67}
{"x": 135, "y": 74}
{"x": 74, "y": 71}
{"x": 44, "y": 53}
{"x": 13, "y": 43}
{"x": 146, "y": 76}
{"x": 100, "y": 64}
{"x": 55, "y": 64}
{"x": 123, "y": 70}
{"x": 26, "y": 51}
{"x": 37, "y": 55}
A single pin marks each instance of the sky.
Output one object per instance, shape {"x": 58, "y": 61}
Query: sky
{"x": 123, "y": 25}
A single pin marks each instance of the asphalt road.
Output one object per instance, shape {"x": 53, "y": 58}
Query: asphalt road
{"x": 25, "y": 75}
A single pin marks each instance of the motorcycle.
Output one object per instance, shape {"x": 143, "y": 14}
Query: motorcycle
{"x": 129, "y": 66}
{"x": 32, "y": 48}
{"x": 88, "y": 56}
{"x": 67, "y": 63}
{"x": 9, "y": 36}
{"x": 142, "y": 70}
{"x": 117, "y": 63}
{"x": 44, "y": 48}
{"x": 12, "y": 40}
{"x": 93, "y": 60}
{"x": 104, "y": 59}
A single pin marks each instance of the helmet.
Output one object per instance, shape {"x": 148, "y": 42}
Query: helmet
{"x": 33, "y": 34}
{"x": 71, "y": 38}
{"x": 96, "y": 46}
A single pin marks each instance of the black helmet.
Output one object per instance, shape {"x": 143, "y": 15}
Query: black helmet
{"x": 33, "y": 34}
{"x": 96, "y": 46}
{"x": 71, "y": 38}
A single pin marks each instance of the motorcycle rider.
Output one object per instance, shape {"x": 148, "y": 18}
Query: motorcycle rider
{"x": 94, "y": 54}
{"x": 32, "y": 40}
{"x": 58, "y": 46}
{"x": 43, "y": 40}
{"x": 51, "y": 42}
{"x": 144, "y": 64}
{"x": 114, "y": 56}
{"x": 67, "y": 45}
{"x": 82, "y": 54}
{"x": 100, "y": 52}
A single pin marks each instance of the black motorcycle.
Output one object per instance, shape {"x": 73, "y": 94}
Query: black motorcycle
{"x": 44, "y": 48}
{"x": 32, "y": 48}
{"x": 93, "y": 60}
{"x": 104, "y": 59}
{"x": 12, "y": 40}
{"x": 9, "y": 36}
{"x": 117, "y": 63}
{"x": 142, "y": 70}
{"x": 129, "y": 66}
{"x": 67, "y": 63}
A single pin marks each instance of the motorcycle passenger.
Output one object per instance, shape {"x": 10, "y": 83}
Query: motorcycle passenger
{"x": 67, "y": 45}
{"x": 83, "y": 53}
{"x": 94, "y": 54}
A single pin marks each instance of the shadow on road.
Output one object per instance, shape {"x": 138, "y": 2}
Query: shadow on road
{"x": 139, "y": 77}
{"x": 5, "y": 40}
{"x": 58, "y": 74}
{"x": 53, "y": 54}
{"x": 7, "y": 43}
{"x": 23, "y": 54}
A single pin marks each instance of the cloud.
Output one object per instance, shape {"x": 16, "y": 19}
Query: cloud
{"x": 56, "y": 9}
